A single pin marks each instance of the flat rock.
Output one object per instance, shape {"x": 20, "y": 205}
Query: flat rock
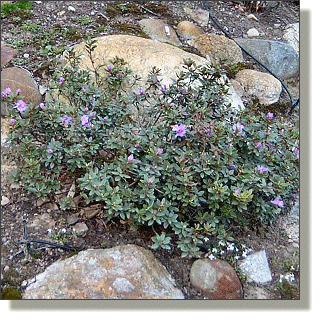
{"x": 216, "y": 279}
{"x": 216, "y": 48}
{"x": 200, "y": 16}
{"x": 256, "y": 268}
{"x": 279, "y": 57}
{"x": 7, "y": 53}
{"x": 18, "y": 78}
{"x": 187, "y": 30}
{"x": 291, "y": 35}
{"x": 157, "y": 30}
{"x": 262, "y": 85}
{"x": 123, "y": 272}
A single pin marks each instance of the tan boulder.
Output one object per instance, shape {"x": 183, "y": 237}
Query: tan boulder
{"x": 18, "y": 78}
{"x": 187, "y": 30}
{"x": 216, "y": 48}
{"x": 260, "y": 84}
{"x": 158, "y": 30}
{"x": 123, "y": 272}
{"x": 7, "y": 53}
{"x": 140, "y": 54}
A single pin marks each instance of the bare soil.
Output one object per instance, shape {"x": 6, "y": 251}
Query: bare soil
{"x": 18, "y": 266}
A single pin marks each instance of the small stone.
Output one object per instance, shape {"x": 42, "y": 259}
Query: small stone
{"x": 72, "y": 219}
{"x": 26, "y": 55}
{"x": 187, "y": 30}
{"x": 216, "y": 279}
{"x": 4, "y": 200}
{"x": 61, "y": 13}
{"x": 277, "y": 25}
{"x": 6, "y": 269}
{"x": 253, "y": 32}
{"x": 252, "y": 16}
{"x": 71, "y": 8}
{"x": 81, "y": 229}
{"x": 256, "y": 268}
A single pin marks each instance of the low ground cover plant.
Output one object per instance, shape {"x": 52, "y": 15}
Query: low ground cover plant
{"x": 175, "y": 158}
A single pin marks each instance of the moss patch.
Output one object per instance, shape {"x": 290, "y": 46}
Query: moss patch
{"x": 130, "y": 29}
{"x": 10, "y": 293}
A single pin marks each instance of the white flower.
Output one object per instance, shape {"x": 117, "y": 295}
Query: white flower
{"x": 237, "y": 257}
{"x": 49, "y": 230}
{"x": 211, "y": 257}
{"x": 222, "y": 243}
{"x": 63, "y": 230}
{"x": 221, "y": 252}
{"x": 290, "y": 277}
{"x": 205, "y": 239}
{"x": 230, "y": 247}
{"x": 214, "y": 250}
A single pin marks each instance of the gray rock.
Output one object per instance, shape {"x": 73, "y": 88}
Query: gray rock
{"x": 256, "y": 268}
{"x": 157, "y": 30}
{"x": 291, "y": 35}
{"x": 81, "y": 229}
{"x": 123, "y": 272}
{"x": 253, "y": 32}
{"x": 200, "y": 16}
{"x": 7, "y": 53}
{"x": 279, "y": 57}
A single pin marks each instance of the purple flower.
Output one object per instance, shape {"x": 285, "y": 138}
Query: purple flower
{"x": 120, "y": 76}
{"x": 21, "y": 106}
{"x": 86, "y": 109}
{"x": 150, "y": 180}
{"x": 18, "y": 91}
{"x": 3, "y": 95}
{"x": 61, "y": 81}
{"x": 237, "y": 191}
{"x": 148, "y": 169}
{"x": 92, "y": 114}
{"x": 163, "y": 89}
{"x": 105, "y": 119}
{"x": 109, "y": 68}
{"x": 238, "y": 127}
{"x": 233, "y": 167}
{"x": 8, "y": 91}
{"x": 66, "y": 119}
{"x": 12, "y": 121}
{"x": 83, "y": 90}
{"x": 259, "y": 145}
{"x": 180, "y": 130}
{"x": 41, "y": 105}
{"x": 270, "y": 116}
{"x": 85, "y": 121}
{"x": 278, "y": 202}
{"x": 195, "y": 160}
{"x": 50, "y": 151}
{"x": 159, "y": 151}
{"x": 137, "y": 145}
{"x": 130, "y": 158}
{"x": 262, "y": 169}
{"x": 142, "y": 91}
{"x": 294, "y": 196}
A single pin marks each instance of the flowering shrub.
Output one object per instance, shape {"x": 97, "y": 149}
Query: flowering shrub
{"x": 178, "y": 158}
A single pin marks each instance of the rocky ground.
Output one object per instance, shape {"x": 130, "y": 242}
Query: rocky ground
{"x": 57, "y": 24}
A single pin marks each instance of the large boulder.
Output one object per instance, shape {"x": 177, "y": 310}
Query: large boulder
{"x": 216, "y": 279}
{"x": 142, "y": 55}
{"x": 123, "y": 272}
{"x": 291, "y": 35}
{"x": 279, "y": 57}
{"x": 18, "y": 78}
{"x": 261, "y": 85}
{"x": 217, "y": 48}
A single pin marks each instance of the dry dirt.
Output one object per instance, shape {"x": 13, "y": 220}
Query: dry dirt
{"x": 16, "y": 266}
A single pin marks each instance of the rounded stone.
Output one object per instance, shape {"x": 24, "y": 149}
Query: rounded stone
{"x": 187, "y": 30}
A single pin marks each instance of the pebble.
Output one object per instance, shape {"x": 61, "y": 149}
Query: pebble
{"x": 252, "y": 16}
{"x": 253, "y": 32}
{"x": 71, "y": 8}
{"x": 4, "y": 200}
{"x": 26, "y": 55}
{"x": 61, "y": 13}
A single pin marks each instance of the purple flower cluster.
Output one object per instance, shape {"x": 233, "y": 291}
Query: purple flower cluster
{"x": 238, "y": 127}
{"x": 6, "y": 92}
{"x": 61, "y": 81}
{"x": 66, "y": 119}
{"x": 85, "y": 121}
{"x": 21, "y": 106}
{"x": 262, "y": 169}
{"x": 130, "y": 158}
{"x": 270, "y": 116}
{"x": 278, "y": 202}
{"x": 180, "y": 130}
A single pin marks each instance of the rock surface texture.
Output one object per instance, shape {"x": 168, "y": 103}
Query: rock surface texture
{"x": 18, "y": 78}
{"x": 123, "y": 272}
{"x": 262, "y": 85}
{"x": 279, "y": 57}
{"x": 216, "y": 48}
{"x": 157, "y": 30}
{"x": 187, "y": 30}
{"x": 216, "y": 279}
